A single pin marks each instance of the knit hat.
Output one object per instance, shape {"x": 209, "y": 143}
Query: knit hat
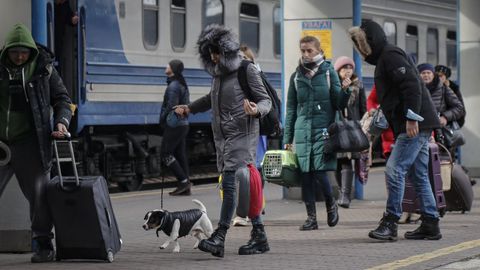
{"x": 444, "y": 69}
{"x": 342, "y": 61}
{"x": 425, "y": 66}
{"x": 176, "y": 66}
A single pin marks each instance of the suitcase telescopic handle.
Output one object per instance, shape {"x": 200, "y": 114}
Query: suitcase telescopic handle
{"x": 68, "y": 139}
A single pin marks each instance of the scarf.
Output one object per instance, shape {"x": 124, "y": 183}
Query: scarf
{"x": 309, "y": 68}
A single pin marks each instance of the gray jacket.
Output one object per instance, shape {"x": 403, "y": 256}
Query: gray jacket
{"x": 235, "y": 133}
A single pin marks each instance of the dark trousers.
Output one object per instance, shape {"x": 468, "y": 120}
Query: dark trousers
{"x": 310, "y": 180}
{"x": 27, "y": 166}
{"x": 174, "y": 151}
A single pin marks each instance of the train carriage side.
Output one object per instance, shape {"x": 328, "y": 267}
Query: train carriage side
{"x": 126, "y": 46}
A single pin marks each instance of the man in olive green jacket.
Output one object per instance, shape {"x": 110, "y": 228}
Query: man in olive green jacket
{"x": 29, "y": 88}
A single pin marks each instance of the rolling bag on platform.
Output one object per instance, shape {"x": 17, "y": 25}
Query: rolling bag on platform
{"x": 410, "y": 201}
{"x": 460, "y": 195}
{"x": 281, "y": 167}
{"x": 85, "y": 225}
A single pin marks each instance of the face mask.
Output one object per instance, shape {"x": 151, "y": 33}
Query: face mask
{"x": 315, "y": 59}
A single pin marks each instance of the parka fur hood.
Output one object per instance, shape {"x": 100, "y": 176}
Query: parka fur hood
{"x": 226, "y": 41}
{"x": 369, "y": 39}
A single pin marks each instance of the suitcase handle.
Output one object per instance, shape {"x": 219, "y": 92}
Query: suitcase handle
{"x": 68, "y": 139}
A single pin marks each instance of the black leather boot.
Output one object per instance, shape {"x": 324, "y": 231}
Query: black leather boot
{"x": 182, "y": 189}
{"x": 216, "y": 243}
{"x": 387, "y": 230}
{"x": 44, "y": 251}
{"x": 346, "y": 190}
{"x": 429, "y": 230}
{"x": 257, "y": 244}
{"x": 311, "y": 222}
{"x": 332, "y": 213}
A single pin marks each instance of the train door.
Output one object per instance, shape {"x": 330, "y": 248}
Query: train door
{"x": 65, "y": 24}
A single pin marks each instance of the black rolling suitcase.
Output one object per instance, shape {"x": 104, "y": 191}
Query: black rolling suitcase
{"x": 460, "y": 195}
{"x": 410, "y": 201}
{"x": 85, "y": 225}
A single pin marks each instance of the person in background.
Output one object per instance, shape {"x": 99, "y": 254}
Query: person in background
{"x": 313, "y": 93}
{"x": 174, "y": 152}
{"x": 30, "y": 89}
{"x": 444, "y": 73}
{"x": 387, "y": 135}
{"x": 355, "y": 109}
{"x": 64, "y": 17}
{"x": 235, "y": 127}
{"x": 409, "y": 109}
{"x": 248, "y": 54}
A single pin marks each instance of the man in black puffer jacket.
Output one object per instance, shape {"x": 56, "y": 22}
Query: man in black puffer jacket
{"x": 29, "y": 88}
{"x": 410, "y": 112}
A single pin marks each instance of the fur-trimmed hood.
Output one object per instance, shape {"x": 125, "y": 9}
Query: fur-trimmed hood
{"x": 226, "y": 41}
{"x": 369, "y": 39}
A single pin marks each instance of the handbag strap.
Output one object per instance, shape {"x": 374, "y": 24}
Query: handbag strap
{"x": 444, "y": 148}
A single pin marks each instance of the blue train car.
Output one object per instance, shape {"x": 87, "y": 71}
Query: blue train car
{"x": 113, "y": 64}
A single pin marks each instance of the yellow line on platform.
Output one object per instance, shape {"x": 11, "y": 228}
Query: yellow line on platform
{"x": 141, "y": 194}
{"x": 428, "y": 256}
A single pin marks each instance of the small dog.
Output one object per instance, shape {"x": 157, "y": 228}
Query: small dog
{"x": 179, "y": 224}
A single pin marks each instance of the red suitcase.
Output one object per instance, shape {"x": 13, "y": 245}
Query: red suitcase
{"x": 410, "y": 201}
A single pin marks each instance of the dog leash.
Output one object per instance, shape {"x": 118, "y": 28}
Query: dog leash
{"x": 163, "y": 183}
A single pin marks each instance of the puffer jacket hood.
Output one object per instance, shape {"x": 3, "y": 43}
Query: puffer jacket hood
{"x": 369, "y": 39}
{"x": 19, "y": 36}
{"x": 226, "y": 41}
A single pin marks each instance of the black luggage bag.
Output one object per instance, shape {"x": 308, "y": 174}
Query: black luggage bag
{"x": 460, "y": 195}
{"x": 85, "y": 225}
{"x": 410, "y": 201}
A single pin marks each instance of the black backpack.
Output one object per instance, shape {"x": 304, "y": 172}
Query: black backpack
{"x": 270, "y": 124}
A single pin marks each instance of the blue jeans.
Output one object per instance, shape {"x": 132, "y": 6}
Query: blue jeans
{"x": 309, "y": 187}
{"x": 229, "y": 187}
{"x": 406, "y": 153}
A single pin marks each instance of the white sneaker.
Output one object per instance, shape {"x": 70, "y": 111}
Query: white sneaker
{"x": 239, "y": 221}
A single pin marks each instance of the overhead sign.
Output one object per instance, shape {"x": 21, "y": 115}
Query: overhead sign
{"x": 323, "y": 31}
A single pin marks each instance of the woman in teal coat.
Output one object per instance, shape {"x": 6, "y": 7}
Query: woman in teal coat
{"x": 313, "y": 92}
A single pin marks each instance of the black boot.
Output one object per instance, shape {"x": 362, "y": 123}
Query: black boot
{"x": 346, "y": 190}
{"x": 44, "y": 251}
{"x": 257, "y": 244}
{"x": 387, "y": 230}
{"x": 332, "y": 213}
{"x": 311, "y": 222}
{"x": 216, "y": 243}
{"x": 182, "y": 189}
{"x": 429, "y": 230}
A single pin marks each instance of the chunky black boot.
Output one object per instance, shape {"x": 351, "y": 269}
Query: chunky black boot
{"x": 332, "y": 213}
{"x": 346, "y": 190}
{"x": 257, "y": 244}
{"x": 44, "y": 252}
{"x": 429, "y": 230}
{"x": 216, "y": 243}
{"x": 311, "y": 222}
{"x": 182, "y": 189}
{"x": 387, "y": 230}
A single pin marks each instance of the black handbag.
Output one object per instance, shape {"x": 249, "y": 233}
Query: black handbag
{"x": 379, "y": 123}
{"x": 346, "y": 136}
{"x": 452, "y": 135}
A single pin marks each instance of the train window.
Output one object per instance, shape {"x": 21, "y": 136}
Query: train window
{"x": 277, "y": 20}
{"x": 432, "y": 46}
{"x": 150, "y": 24}
{"x": 411, "y": 40}
{"x": 452, "y": 49}
{"x": 212, "y": 12}
{"x": 250, "y": 25}
{"x": 178, "y": 30}
{"x": 390, "y": 29}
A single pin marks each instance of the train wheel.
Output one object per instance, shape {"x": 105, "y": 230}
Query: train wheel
{"x": 133, "y": 185}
